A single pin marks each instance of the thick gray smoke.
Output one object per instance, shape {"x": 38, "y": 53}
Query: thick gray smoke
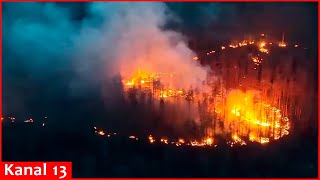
{"x": 131, "y": 38}
{"x": 45, "y": 42}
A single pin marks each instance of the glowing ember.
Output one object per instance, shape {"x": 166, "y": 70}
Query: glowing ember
{"x": 233, "y": 46}
{"x": 282, "y": 44}
{"x": 101, "y": 133}
{"x": 208, "y": 141}
{"x": 151, "y": 139}
{"x": 208, "y": 53}
{"x": 195, "y": 143}
{"x": 237, "y": 139}
{"x": 181, "y": 141}
{"x": 252, "y": 137}
{"x": 262, "y": 47}
{"x": 243, "y": 43}
{"x": 262, "y": 44}
{"x": 163, "y": 140}
{"x": 264, "y": 140}
{"x": 256, "y": 60}
{"x": 264, "y": 50}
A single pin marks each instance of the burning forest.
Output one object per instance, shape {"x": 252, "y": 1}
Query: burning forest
{"x": 240, "y": 113}
{"x": 241, "y": 100}
{"x": 249, "y": 97}
{"x": 204, "y": 86}
{"x": 252, "y": 88}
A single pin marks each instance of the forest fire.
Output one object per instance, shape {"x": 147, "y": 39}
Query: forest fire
{"x": 243, "y": 114}
{"x": 249, "y": 116}
{"x": 237, "y": 114}
{"x": 251, "y": 104}
{"x": 153, "y": 83}
{"x": 161, "y": 89}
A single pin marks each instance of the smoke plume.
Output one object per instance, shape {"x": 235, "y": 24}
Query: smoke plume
{"x": 133, "y": 37}
{"x": 87, "y": 53}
